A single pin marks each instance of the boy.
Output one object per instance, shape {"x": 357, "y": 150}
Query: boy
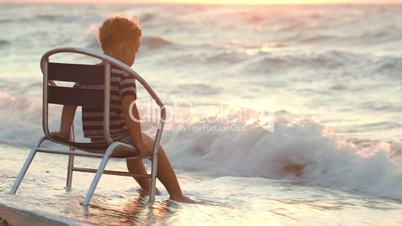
{"x": 120, "y": 38}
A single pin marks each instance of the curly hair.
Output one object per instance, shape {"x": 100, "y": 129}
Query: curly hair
{"x": 115, "y": 30}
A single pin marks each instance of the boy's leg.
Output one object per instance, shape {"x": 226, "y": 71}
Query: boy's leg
{"x": 166, "y": 173}
{"x": 168, "y": 178}
{"x": 137, "y": 166}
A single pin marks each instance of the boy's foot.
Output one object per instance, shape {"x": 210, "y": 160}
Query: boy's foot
{"x": 182, "y": 198}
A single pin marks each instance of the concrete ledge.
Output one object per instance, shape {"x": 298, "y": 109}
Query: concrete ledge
{"x": 10, "y": 216}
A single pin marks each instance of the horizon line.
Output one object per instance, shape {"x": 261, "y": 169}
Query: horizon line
{"x": 196, "y": 3}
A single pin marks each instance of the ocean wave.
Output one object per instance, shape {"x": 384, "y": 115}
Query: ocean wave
{"x": 52, "y": 18}
{"x": 4, "y": 20}
{"x": 39, "y": 16}
{"x": 146, "y": 17}
{"x": 381, "y": 106}
{"x": 230, "y": 58}
{"x": 388, "y": 66}
{"x": 155, "y": 42}
{"x": 362, "y": 65}
{"x": 260, "y": 60}
{"x": 381, "y": 35}
{"x": 384, "y": 125}
{"x": 316, "y": 38}
{"x": 197, "y": 89}
{"x": 275, "y": 62}
{"x": 325, "y": 160}
{"x": 4, "y": 43}
{"x": 20, "y": 118}
{"x": 46, "y": 17}
{"x": 148, "y": 42}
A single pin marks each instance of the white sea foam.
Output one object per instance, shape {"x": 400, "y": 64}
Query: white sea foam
{"x": 327, "y": 160}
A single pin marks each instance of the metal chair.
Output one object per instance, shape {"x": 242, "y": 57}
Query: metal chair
{"x": 53, "y": 94}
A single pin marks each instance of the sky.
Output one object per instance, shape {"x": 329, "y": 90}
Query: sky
{"x": 213, "y": 1}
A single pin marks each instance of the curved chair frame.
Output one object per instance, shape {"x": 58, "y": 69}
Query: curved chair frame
{"x": 113, "y": 145}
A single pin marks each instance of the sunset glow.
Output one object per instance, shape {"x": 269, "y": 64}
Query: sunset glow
{"x": 232, "y": 2}
{"x": 252, "y": 2}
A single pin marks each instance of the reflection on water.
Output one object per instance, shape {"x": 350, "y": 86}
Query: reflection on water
{"x": 134, "y": 210}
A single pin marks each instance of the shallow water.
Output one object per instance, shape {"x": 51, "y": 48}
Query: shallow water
{"x": 331, "y": 75}
{"x": 226, "y": 200}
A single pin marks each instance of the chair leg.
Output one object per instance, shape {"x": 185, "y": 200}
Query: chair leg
{"x": 154, "y": 166}
{"x": 70, "y": 166}
{"x": 25, "y": 167}
{"x": 99, "y": 173}
{"x": 70, "y": 171}
{"x": 154, "y": 169}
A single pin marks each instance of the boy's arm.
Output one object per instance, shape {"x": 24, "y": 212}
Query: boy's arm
{"x": 134, "y": 125}
{"x": 67, "y": 117}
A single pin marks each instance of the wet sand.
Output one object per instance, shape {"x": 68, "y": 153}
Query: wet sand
{"x": 10, "y": 216}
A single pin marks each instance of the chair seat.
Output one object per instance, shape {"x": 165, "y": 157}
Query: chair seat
{"x": 96, "y": 147}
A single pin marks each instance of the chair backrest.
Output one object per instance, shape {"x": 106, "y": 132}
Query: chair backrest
{"x": 82, "y": 74}
{"x": 78, "y": 73}
{"x": 87, "y": 74}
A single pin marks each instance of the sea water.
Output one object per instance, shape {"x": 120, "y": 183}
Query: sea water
{"x": 329, "y": 76}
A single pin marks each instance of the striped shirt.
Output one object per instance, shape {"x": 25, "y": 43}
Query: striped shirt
{"x": 121, "y": 84}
